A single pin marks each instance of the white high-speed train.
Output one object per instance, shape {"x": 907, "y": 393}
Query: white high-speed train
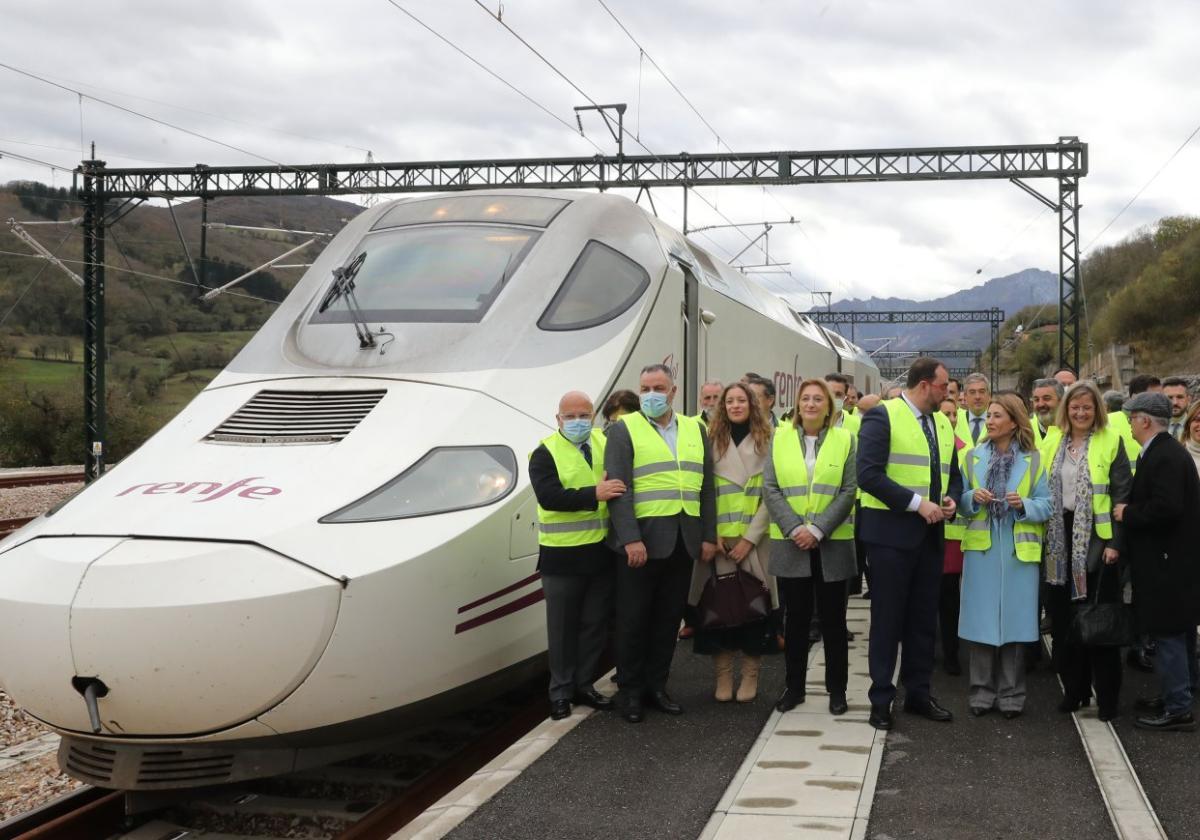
{"x": 336, "y": 538}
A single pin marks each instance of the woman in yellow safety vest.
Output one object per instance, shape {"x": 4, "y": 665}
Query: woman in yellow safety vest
{"x": 1089, "y": 473}
{"x": 1005, "y": 500}
{"x": 809, "y": 484}
{"x": 740, "y": 437}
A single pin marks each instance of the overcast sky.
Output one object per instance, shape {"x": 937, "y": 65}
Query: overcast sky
{"x": 304, "y": 81}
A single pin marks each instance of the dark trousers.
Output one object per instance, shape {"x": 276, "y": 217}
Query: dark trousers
{"x": 904, "y": 608}
{"x": 1082, "y": 667}
{"x": 577, "y": 611}
{"x": 797, "y": 595}
{"x": 650, "y": 602}
{"x": 1174, "y": 671}
{"x": 949, "y": 602}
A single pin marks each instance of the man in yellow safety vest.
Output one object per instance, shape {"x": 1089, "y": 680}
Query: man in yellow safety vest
{"x": 909, "y": 479}
{"x": 659, "y": 530}
{"x": 567, "y": 474}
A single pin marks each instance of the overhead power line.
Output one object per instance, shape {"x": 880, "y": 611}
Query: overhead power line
{"x": 1143, "y": 188}
{"x": 26, "y": 159}
{"x": 554, "y": 68}
{"x": 152, "y": 119}
{"x": 488, "y": 70}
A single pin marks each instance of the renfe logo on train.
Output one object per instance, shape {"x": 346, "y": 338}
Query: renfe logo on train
{"x": 210, "y": 490}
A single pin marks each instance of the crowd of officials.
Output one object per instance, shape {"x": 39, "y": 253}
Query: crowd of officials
{"x": 1076, "y": 514}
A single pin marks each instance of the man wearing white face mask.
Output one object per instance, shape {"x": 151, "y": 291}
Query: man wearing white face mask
{"x": 659, "y": 530}
{"x": 567, "y": 474}
{"x": 839, "y": 386}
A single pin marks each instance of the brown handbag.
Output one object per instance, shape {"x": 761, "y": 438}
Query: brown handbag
{"x": 732, "y": 600}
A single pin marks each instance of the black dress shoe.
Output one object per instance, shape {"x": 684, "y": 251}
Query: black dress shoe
{"x": 662, "y": 701}
{"x": 953, "y": 667}
{"x": 980, "y": 711}
{"x": 633, "y": 712}
{"x": 790, "y": 699}
{"x": 1182, "y": 722}
{"x": 837, "y": 704}
{"x": 881, "y": 717}
{"x": 1152, "y": 705}
{"x": 1068, "y": 705}
{"x": 1009, "y": 714}
{"x": 592, "y": 697}
{"x": 930, "y": 710}
{"x": 1106, "y": 715}
{"x": 560, "y": 709}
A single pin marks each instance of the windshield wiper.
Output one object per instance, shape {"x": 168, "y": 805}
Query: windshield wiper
{"x": 343, "y": 287}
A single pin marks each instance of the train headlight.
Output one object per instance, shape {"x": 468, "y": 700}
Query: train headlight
{"x": 445, "y": 479}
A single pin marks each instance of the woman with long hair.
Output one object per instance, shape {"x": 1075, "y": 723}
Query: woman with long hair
{"x": 1190, "y": 435}
{"x": 1005, "y": 500}
{"x": 740, "y": 438}
{"x": 1089, "y": 472}
{"x": 809, "y": 484}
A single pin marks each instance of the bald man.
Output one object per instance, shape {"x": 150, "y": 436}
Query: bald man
{"x": 1066, "y": 377}
{"x": 572, "y": 490}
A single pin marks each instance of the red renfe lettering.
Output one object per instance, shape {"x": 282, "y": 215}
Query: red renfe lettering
{"x": 209, "y": 490}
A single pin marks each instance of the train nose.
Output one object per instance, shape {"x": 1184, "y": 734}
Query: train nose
{"x": 185, "y": 637}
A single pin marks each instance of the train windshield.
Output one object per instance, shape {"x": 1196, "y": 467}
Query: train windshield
{"x": 447, "y": 273}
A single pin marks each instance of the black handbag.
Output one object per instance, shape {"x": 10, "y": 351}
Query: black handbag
{"x": 732, "y": 600}
{"x": 1103, "y": 623}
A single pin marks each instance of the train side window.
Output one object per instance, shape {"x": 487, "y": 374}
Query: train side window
{"x": 601, "y": 285}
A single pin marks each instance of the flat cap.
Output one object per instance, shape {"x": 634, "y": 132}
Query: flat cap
{"x": 1149, "y": 402}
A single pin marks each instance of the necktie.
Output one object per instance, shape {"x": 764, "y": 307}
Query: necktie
{"x": 976, "y": 422}
{"x": 1175, "y": 430}
{"x": 935, "y": 467}
{"x": 586, "y": 449}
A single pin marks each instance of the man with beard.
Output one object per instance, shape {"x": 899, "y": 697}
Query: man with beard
{"x": 1047, "y": 394}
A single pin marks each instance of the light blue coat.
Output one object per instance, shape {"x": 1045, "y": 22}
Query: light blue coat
{"x": 999, "y": 592}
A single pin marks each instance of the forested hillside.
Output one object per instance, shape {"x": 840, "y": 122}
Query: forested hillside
{"x": 1143, "y": 291}
{"x": 164, "y": 343}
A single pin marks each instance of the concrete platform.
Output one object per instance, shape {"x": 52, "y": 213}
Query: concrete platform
{"x": 733, "y": 771}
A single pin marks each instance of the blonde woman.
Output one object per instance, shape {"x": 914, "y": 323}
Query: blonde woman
{"x": 1190, "y": 436}
{"x": 740, "y": 440}
{"x": 1005, "y": 500}
{"x": 809, "y": 485}
{"x": 1089, "y": 473}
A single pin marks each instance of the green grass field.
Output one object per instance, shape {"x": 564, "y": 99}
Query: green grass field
{"x": 45, "y": 374}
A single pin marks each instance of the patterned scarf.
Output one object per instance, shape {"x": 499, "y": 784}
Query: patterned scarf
{"x": 1081, "y": 531}
{"x": 998, "y": 471}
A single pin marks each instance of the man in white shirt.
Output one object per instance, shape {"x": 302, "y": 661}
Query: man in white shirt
{"x": 978, "y": 395}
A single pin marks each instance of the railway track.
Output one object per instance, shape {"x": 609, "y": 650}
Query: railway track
{"x": 37, "y": 479}
{"x": 369, "y": 797}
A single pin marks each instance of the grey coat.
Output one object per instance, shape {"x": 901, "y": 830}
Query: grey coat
{"x": 659, "y": 533}
{"x": 1120, "y": 483}
{"x": 838, "y": 561}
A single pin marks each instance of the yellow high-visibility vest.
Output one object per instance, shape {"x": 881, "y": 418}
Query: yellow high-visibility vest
{"x": 908, "y": 456}
{"x": 956, "y": 528}
{"x": 809, "y": 496}
{"x": 736, "y": 505}
{"x": 851, "y": 423}
{"x": 1027, "y": 536}
{"x": 565, "y": 529}
{"x": 1118, "y": 421}
{"x": 1102, "y": 449}
{"x": 665, "y": 484}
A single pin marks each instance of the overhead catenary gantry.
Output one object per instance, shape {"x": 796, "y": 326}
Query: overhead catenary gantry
{"x": 851, "y": 318}
{"x": 1066, "y": 161}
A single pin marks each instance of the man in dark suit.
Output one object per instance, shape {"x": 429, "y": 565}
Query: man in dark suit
{"x": 658, "y": 531}
{"x": 1162, "y": 533}
{"x": 905, "y": 461}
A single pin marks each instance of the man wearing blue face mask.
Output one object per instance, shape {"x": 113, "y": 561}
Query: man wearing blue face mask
{"x": 659, "y": 530}
{"x": 567, "y": 473}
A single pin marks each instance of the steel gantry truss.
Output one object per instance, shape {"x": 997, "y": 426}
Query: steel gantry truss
{"x": 1065, "y": 161}
{"x": 895, "y": 363}
{"x": 993, "y": 316}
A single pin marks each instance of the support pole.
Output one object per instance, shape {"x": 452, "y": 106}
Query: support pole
{"x": 203, "y": 245}
{"x": 1068, "y": 269}
{"x": 94, "y": 410}
{"x": 685, "y": 192}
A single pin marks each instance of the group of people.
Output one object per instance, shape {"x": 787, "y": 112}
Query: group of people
{"x": 962, "y": 506}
